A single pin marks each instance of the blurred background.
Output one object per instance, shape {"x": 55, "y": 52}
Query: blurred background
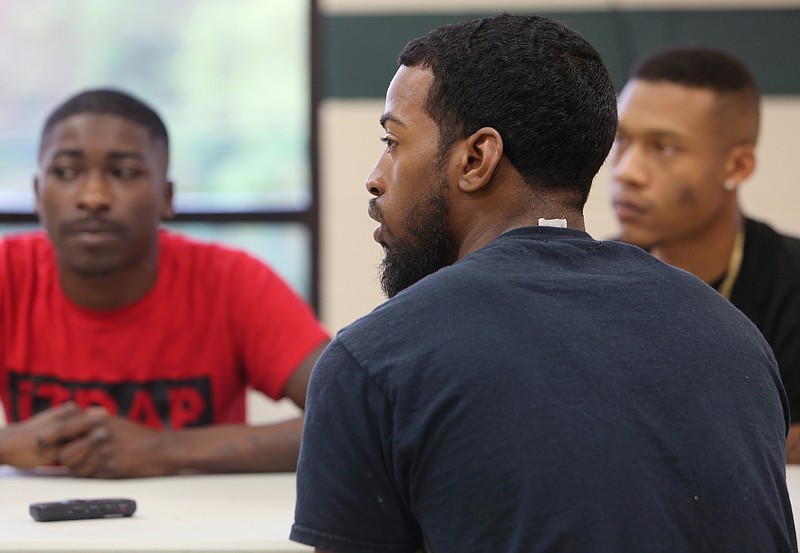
{"x": 273, "y": 107}
{"x": 231, "y": 80}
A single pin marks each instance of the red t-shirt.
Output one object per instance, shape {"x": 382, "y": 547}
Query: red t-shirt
{"x": 216, "y": 321}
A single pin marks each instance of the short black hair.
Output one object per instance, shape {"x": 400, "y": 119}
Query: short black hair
{"x": 109, "y": 101}
{"x": 698, "y": 66}
{"x": 710, "y": 68}
{"x": 536, "y": 81}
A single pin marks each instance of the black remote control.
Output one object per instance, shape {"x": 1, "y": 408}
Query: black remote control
{"x": 77, "y": 509}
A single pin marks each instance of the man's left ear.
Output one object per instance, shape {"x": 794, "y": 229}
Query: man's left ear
{"x": 482, "y": 153}
{"x": 36, "y": 194}
{"x": 169, "y": 210}
{"x": 740, "y": 164}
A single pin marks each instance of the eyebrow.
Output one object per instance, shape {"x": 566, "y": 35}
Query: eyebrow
{"x": 124, "y": 155}
{"x": 654, "y": 133}
{"x": 115, "y": 155}
{"x": 389, "y": 117}
{"x": 69, "y": 153}
{"x": 666, "y": 135}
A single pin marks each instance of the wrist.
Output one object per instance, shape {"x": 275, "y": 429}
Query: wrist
{"x": 9, "y": 446}
{"x": 171, "y": 452}
{"x": 3, "y": 442}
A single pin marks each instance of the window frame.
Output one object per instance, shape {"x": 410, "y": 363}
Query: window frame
{"x": 307, "y": 217}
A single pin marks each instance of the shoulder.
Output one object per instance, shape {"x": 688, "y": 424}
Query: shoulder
{"x": 525, "y": 261}
{"x": 772, "y": 251}
{"x": 490, "y": 287}
{"x": 183, "y": 252}
{"x": 27, "y": 263}
{"x": 35, "y": 239}
{"x": 761, "y": 231}
{"x": 33, "y": 247}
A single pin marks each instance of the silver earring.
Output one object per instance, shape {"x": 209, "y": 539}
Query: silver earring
{"x": 729, "y": 185}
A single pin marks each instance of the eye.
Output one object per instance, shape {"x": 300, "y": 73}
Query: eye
{"x": 63, "y": 173}
{"x": 390, "y": 143}
{"x": 126, "y": 173}
{"x": 665, "y": 150}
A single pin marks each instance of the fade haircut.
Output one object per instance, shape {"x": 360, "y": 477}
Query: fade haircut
{"x": 540, "y": 84}
{"x": 701, "y": 66}
{"x": 108, "y": 101}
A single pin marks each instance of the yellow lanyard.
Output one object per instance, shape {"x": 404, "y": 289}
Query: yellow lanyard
{"x": 734, "y": 264}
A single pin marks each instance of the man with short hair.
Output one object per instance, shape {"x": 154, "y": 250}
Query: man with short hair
{"x": 126, "y": 350}
{"x": 527, "y": 388}
{"x": 689, "y": 119}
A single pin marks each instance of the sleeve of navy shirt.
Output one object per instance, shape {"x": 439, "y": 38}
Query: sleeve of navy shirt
{"x": 347, "y": 500}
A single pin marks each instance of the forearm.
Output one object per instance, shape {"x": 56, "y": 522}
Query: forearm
{"x": 793, "y": 444}
{"x": 5, "y": 446}
{"x": 233, "y": 448}
{"x": 18, "y": 448}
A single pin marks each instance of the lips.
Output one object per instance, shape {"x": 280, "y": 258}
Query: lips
{"x": 374, "y": 212}
{"x": 628, "y": 210}
{"x": 92, "y": 231}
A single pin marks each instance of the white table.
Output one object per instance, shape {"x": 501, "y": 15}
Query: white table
{"x": 207, "y": 513}
{"x": 793, "y": 483}
{"x": 184, "y": 513}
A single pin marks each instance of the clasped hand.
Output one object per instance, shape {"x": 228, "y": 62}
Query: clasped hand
{"x": 89, "y": 443}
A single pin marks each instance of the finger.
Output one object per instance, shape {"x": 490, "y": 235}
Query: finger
{"x": 86, "y": 455}
{"x": 108, "y": 468}
{"x": 89, "y": 467}
{"x": 67, "y": 427}
{"x": 96, "y": 410}
{"x": 59, "y": 412}
{"x": 45, "y": 453}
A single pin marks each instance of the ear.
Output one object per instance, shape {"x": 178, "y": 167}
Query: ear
{"x": 169, "y": 210}
{"x": 37, "y": 195}
{"x": 481, "y": 155}
{"x": 740, "y": 164}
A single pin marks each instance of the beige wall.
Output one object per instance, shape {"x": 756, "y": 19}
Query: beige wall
{"x": 349, "y": 147}
{"x": 439, "y": 6}
{"x": 349, "y": 133}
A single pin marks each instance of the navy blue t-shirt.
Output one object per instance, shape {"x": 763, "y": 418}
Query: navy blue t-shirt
{"x": 548, "y": 392}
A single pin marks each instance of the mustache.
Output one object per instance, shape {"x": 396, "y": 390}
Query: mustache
{"x": 91, "y": 224}
{"x": 374, "y": 210}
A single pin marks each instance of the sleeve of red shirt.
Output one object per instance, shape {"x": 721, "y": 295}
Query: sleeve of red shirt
{"x": 277, "y": 329}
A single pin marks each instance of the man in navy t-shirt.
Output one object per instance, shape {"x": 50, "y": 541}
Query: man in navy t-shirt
{"x": 527, "y": 388}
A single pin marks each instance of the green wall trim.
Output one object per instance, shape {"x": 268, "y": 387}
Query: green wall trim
{"x": 358, "y": 54}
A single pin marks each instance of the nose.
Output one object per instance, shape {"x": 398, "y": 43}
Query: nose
{"x": 376, "y": 182}
{"x": 94, "y": 194}
{"x": 628, "y": 165}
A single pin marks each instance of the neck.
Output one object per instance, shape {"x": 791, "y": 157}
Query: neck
{"x": 506, "y": 203}
{"x": 108, "y": 291}
{"x": 481, "y": 235}
{"x": 706, "y": 255}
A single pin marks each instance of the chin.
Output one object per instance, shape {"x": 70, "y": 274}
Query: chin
{"x": 640, "y": 239}
{"x": 89, "y": 268}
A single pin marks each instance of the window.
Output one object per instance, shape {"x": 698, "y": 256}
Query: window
{"x": 230, "y": 78}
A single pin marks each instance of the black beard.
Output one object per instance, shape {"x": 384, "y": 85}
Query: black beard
{"x": 430, "y": 247}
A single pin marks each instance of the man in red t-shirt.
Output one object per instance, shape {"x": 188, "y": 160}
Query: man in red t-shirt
{"x": 127, "y": 350}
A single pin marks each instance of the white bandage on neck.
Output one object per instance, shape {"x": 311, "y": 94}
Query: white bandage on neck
{"x": 561, "y": 223}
